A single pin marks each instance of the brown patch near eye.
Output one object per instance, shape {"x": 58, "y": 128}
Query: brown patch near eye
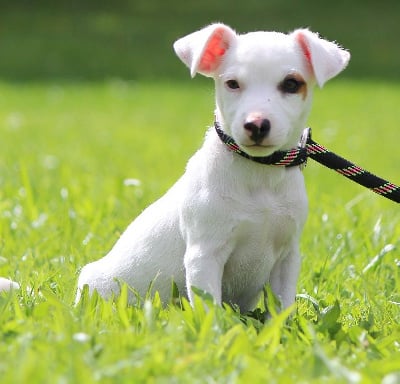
{"x": 302, "y": 85}
{"x": 294, "y": 83}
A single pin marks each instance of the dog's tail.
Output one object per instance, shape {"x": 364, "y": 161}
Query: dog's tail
{"x": 7, "y": 285}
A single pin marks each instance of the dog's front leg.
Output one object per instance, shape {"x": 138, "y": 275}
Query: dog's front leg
{"x": 203, "y": 271}
{"x": 284, "y": 277}
{"x": 207, "y": 226}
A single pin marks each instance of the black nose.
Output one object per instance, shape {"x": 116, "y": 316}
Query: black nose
{"x": 258, "y": 130}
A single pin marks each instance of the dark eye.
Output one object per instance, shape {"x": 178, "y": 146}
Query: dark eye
{"x": 232, "y": 84}
{"x": 291, "y": 85}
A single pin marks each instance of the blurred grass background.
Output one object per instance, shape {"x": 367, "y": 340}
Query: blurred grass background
{"x": 132, "y": 39}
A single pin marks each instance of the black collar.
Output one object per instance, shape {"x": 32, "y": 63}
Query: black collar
{"x": 291, "y": 158}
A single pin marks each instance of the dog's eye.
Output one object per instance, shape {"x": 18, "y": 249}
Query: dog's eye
{"x": 232, "y": 84}
{"x": 291, "y": 85}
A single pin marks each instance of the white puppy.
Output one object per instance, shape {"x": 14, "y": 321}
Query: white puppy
{"x": 230, "y": 225}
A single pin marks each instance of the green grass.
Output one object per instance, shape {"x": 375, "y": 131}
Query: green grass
{"x": 65, "y": 152}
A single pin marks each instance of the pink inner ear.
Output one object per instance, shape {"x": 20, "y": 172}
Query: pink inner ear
{"x": 306, "y": 50}
{"x": 213, "y": 52}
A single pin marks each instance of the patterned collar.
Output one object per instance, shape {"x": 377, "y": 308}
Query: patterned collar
{"x": 291, "y": 158}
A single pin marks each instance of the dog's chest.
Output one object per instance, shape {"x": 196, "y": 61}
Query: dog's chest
{"x": 245, "y": 215}
{"x": 266, "y": 227}
{"x": 261, "y": 233}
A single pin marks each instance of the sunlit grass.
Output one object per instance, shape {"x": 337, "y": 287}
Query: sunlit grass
{"x": 79, "y": 161}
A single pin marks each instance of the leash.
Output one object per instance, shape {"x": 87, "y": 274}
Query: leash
{"x": 309, "y": 148}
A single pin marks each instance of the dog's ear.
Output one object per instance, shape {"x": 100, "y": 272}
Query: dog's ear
{"x": 202, "y": 51}
{"x": 326, "y": 59}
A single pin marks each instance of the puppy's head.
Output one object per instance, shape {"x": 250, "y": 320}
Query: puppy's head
{"x": 264, "y": 80}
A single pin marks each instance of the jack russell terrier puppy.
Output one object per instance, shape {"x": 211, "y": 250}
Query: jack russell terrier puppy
{"x": 231, "y": 225}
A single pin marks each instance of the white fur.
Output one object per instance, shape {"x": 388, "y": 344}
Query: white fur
{"x": 7, "y": 285}
{"x": 229, "y": 225}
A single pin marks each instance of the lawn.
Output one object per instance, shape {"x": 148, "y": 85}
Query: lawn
{"x": 79, "y": 160}
{"x": 98, "y": 118}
